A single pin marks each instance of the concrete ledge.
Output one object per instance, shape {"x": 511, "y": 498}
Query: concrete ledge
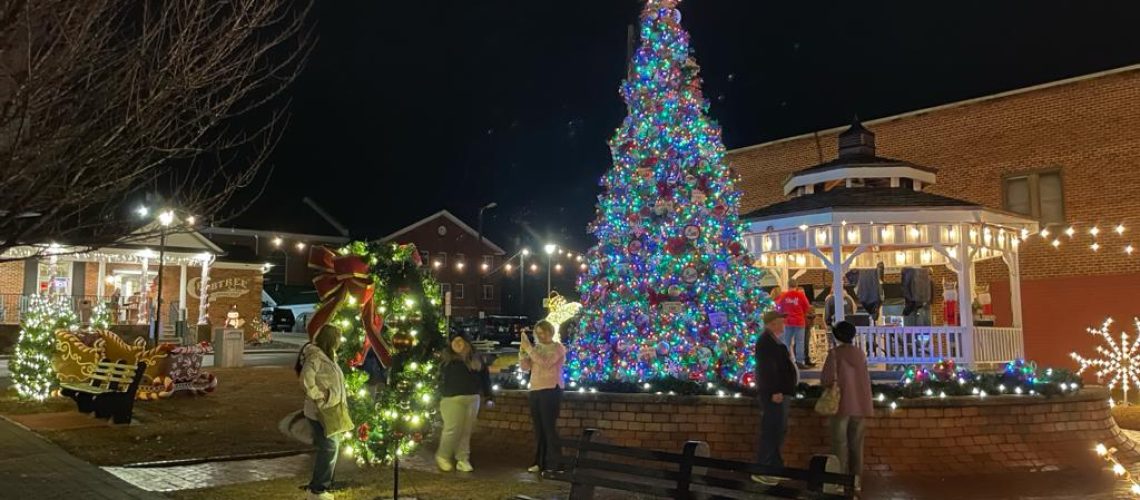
{"x": 950, "y": 436}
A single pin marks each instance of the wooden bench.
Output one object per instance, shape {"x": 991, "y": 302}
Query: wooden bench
{"x": 688, "y": 475}
{"x": 110, "y": 392}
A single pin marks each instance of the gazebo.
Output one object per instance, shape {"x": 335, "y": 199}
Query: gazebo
{"x": 861, "y": 211}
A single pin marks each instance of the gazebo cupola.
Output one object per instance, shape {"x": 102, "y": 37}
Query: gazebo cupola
{"x": 858, "y": 167}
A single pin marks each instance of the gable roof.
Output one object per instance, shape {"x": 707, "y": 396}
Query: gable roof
{"x": 860, "y": 199}
{"x": 454, "y": 220}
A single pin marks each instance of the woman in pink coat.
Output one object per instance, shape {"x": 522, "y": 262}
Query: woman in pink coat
{"x": 846, "y": 366}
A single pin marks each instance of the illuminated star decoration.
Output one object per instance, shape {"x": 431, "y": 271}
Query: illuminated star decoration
{"x": 1119, "y": 363}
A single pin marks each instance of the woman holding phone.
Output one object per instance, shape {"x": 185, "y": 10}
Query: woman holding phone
{"x": 544, "y": 360}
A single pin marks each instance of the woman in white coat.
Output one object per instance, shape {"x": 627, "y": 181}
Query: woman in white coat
{"x": 326, "y": 406}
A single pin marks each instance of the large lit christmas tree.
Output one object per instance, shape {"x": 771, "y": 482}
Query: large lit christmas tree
{"x": 31, "y": 367}
{"x": 669, "y": 290}
{"x": 384, "y": 302}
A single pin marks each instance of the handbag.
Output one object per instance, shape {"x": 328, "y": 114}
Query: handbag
{"x": 828, "y": 403}
{"x": 336, "y": 419}
{"x": 297, "y": 427}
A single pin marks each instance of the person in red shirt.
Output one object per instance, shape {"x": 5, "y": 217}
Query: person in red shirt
{"x": 796, "y": 308}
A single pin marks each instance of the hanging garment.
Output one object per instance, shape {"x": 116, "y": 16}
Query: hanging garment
{"x": 915, "y": 289}
{"x": 869, "y": 291}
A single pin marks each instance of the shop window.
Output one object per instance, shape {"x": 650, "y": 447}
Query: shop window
{"x": 458, "y": 292}
{"x": 488, "y": 292}
{"x": 55, "y": 277}
{"x": 1038, "y": 195}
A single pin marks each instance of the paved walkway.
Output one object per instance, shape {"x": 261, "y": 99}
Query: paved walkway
{"x": 31, "y": 467}
{"x": 212, "y": 474}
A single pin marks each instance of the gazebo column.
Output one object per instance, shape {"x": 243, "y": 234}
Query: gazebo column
{"x": 1013, "y": 262}
{"x": 181, "y": 291}
{"x": 99, "y": 283}
{"x": 965, "y": 293}
{"x": 203, "y": 296}
{"x": 837, "y": 272}
{"x": 144, "y": 294}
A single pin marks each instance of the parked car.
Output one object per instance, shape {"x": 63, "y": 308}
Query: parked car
{"x": 283, "y": 320}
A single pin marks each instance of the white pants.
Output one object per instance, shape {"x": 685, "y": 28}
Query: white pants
{"x": 459, "y": 415}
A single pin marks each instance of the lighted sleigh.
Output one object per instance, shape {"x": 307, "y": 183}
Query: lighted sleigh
{"x": 169, "y": 368}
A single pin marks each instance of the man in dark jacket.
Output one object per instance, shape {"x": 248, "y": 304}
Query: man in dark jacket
{"x": 776, "y": 379}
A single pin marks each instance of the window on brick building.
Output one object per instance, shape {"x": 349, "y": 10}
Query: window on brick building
{"x": 1038, "y": 195}
{"x": 488, "y": 292}
{"x": 489, "y": 261}
{"x": 425, "y": 256}
{"x": 442, "y": 259}
{"x": 444, "y": 288}
{"x": 457, "y": 293}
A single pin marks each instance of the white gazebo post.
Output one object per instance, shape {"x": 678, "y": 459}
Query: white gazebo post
{"x": 1013, "y": 262}
{"x": 203, "y": 297}
{"x": 837, "y": 272}
{"x": 99, "y": 283}
{"x": 181, "y": 292}
{"x": 965, "y": 292}
{"x": 144, "y": 293}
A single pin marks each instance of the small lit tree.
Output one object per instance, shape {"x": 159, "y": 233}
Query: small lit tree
{"x": 31, "y": 367}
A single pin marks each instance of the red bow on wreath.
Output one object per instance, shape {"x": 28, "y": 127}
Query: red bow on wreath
{"x": 340, "y": 277}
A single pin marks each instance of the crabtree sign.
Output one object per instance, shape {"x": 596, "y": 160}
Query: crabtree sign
{"x": 227, "y": 288}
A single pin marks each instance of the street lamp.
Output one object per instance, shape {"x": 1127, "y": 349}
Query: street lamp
{"x": 479, "y": 292}
{"x": 549, "y": 248}
{"x": 165, "y": 219}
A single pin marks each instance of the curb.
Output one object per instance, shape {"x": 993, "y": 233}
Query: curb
{"x": 223, "y": 458}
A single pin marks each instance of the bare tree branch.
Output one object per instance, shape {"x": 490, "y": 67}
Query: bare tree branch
{"x": 108, "y": 103}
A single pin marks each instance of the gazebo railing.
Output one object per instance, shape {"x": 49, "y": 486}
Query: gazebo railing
{"x": 998, "y": 345}
{"x": 912, "y": 344}
{"x": 895, "y": 345}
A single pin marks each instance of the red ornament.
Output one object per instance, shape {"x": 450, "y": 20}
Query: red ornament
{"x": 363, "y": 431}
{"x": 677, "y": 246}
{"x": 735, "y": 248}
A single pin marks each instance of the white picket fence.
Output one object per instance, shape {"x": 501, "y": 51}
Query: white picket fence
{"x": 928, "y": 344}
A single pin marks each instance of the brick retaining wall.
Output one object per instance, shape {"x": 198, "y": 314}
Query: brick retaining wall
{"x": 929, "y": 436}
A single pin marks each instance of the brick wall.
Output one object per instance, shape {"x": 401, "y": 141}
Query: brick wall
{"x": 12, "y": 277}
{"x": 946, "y": 437}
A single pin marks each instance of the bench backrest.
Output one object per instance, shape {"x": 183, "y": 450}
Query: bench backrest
{"x": 683, "y": 475}
{"x": 114, "y": 375}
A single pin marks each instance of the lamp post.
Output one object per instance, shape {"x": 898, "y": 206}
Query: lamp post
{"x": 164, "y": 220}
{"x": 482, "y": 265}
{"x": 522, "y": 278}
{"x": 549, "y": 248}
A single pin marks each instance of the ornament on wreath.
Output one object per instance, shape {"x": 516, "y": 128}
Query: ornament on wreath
{"x": 944, "y": 369}
{"x": 692, "y": 232}
{"x": 675, "y": 291}
{"x": 635, "y": 247}
{"x": 720, "y": 209}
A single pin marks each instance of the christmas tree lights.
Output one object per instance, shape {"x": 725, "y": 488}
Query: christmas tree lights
{"x": 668, "y": 290}
{"x": 31, "y": 367}
{"x": 393, "y": 420}
{"x": 101, "y": 316}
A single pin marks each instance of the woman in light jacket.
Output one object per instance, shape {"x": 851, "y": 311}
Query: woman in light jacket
{"x": 846, "y": 366}
{"x": 544, "y": 360}
{"x": 326, "y": 406}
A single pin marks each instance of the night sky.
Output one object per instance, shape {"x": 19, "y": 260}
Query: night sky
{"x": 409, "y": 107}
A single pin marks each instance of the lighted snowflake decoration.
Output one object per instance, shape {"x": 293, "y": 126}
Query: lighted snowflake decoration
{"x": 1119, "y": 363}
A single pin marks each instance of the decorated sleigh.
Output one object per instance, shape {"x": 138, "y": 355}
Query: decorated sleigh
{"x": 169, "y": 368}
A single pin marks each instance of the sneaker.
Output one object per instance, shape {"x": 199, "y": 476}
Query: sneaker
{"x": 324, "y": 495}
{"x": 766, "y": 480}
{"x": 443, "y": 463}
{"x": 534, "y": 469}
{"x": 464, "y": 466}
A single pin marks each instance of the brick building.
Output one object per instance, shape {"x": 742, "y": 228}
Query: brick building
{"x": 1064, "y": 153}
{"x": 462, "y": 264}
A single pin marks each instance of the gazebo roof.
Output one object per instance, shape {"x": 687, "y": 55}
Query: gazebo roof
{"x": 858, "y": 199}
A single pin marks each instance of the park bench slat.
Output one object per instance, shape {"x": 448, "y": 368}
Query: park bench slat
{"x": 799, "y": 474}
{"x": 592, "y": 478}
{"x": 630, "y": 469}
{"x": 653, "y": 455}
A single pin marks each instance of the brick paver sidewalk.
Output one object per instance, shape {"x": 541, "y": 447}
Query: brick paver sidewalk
{"x": 31, "y": 467}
